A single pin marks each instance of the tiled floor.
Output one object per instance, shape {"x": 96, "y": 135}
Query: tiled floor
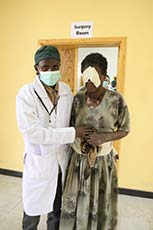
{"x": 134, "y": 213}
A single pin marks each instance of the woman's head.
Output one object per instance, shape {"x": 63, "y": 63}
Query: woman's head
{"x": 99, "y": 62}
{"x": 95, "y": 60}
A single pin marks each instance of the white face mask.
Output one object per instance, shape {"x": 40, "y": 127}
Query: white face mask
{"x": 91, "y": 74}
{"x": 50, "y": 78}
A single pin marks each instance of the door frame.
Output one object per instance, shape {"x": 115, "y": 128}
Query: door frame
{"x": 119, "y": 42}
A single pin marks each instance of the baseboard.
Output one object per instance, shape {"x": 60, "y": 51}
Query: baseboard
{"x": 138, "y": 193}
{"x": 123, "y": 191}
{"x": 8, "y": 172}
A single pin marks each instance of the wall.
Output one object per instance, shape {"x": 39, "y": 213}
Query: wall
{"x": 23, "y": 23}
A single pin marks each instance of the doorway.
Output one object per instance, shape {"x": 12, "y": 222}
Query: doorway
{"x": 69, "y": 54}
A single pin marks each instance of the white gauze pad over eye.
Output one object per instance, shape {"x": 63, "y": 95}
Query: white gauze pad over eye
{"x": 91, "y": 73}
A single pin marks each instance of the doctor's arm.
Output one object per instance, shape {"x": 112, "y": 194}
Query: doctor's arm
{"x": 30, "y": 127}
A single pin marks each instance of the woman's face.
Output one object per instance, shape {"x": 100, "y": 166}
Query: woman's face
{"x": 91, "y": 88}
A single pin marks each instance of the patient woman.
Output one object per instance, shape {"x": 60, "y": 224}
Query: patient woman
{"x": 90, "y": 192}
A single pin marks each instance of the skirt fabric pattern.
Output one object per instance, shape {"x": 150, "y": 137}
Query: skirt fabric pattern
{"x": 90, "y": 204}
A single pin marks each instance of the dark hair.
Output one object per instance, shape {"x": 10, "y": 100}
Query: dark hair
{"x": 95, "y": 59}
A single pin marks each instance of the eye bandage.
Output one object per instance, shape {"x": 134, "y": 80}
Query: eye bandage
{"x": 91, "y": 74}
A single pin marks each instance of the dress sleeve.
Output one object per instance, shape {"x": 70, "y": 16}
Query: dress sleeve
{"x": 123, "y": 116}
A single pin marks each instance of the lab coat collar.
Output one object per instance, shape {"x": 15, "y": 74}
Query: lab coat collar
{"x": 38, "y": 86}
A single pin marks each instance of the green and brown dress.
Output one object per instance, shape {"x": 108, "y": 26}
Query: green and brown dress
{"x": 90, "y": 199}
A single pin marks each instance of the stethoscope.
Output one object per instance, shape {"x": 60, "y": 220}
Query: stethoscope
{"x": 54, "y": 106}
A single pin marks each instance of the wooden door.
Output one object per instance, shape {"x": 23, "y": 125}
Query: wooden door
{"x": 68, "y": 66}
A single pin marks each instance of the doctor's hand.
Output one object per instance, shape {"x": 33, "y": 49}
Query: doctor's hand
{"x": 82, "y": 131}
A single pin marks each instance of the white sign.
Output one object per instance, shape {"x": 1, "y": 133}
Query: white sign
{"x": 81, "y": 30}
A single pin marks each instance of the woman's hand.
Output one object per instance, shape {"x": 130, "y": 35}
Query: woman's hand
{"x": 97, "y": 139}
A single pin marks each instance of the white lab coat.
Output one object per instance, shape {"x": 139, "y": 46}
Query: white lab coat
{"x": 46, "y": 144}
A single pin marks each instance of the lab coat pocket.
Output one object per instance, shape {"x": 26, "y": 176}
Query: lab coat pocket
{"x": 37, "y": 166}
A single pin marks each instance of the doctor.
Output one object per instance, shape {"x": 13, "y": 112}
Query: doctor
{"x": 43, "y": 115}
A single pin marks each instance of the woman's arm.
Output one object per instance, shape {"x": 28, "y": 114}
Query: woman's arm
{"x": 98, "y": 138}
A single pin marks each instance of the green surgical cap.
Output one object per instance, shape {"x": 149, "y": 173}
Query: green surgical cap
{"x": 46, "y": 52}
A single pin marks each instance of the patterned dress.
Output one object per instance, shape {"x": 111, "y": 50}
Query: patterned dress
{"x": 91, "y": 203}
